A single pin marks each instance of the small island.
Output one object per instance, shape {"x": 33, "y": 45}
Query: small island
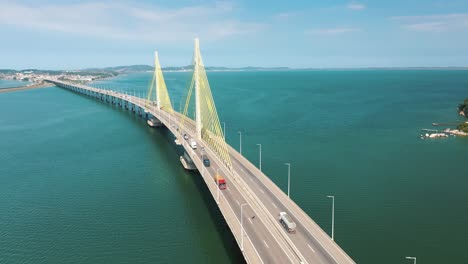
{"x": 461, "y": 130}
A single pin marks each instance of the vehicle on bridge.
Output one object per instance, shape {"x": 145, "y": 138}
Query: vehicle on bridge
{"x": 206, "y": 161}
{"x": 220, "y": 181}
{"x": 193, "y": 143}
{"x": 287, "y": 222}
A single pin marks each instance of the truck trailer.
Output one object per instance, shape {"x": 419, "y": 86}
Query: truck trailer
{"x": 287, "y": 222}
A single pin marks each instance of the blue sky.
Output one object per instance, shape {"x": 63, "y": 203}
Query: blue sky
{"x": 294, "y": 33}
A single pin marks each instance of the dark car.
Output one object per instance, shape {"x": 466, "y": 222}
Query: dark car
{"x": 206, "y": 161}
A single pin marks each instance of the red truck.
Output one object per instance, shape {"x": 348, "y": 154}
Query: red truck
{"x": 220, "y": 182}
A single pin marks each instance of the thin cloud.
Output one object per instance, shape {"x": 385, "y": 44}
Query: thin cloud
{"x": 356, "y": 6}
{"x": 285, "y": 15}
{"x": 332, "y": 31}
{"x": 434, "y": 23}
{"x": 126, "y": 21}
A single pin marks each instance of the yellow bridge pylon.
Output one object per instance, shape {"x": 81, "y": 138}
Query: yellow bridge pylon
{"x": 157, "y": 90}
{"x": 208, "y": 127}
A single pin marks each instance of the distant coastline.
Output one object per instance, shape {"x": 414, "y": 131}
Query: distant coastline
{"x": 36, "y": 76}
{"x": 145, "y": 68}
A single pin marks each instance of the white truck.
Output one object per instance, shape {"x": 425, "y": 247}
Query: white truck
{"x": 287, "y": 222}
{"x": 193, "y": 143}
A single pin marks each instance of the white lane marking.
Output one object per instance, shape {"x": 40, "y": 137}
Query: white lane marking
{"x": 275, "y": 205}
{"x": 229, "y": 190}
{"x": 266, "y": 244}
{"x": 250, "y": 220}
{"x": 251, "y": 179}
{"x": 311, "y": 248}
{"x": 262, "y": 190}
{"x": 238, "y": 202}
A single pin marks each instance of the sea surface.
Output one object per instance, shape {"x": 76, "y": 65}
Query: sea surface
{"x": 85, "y": 182}
{"x": 12, "y": 83}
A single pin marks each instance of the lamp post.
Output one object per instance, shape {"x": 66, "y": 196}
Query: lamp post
{"x": 242, "y": 226}
{"x": 260, "y": 153}
{"x": 413, "y": 258}
{"x": 240, "y": 142}
{"x": 289, "y": 176}
{"x": 333, "y": 215}
{"x": 224, "y": 130}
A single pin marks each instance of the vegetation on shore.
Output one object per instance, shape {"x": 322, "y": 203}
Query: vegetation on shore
{"x": 463, "y": 108}
{"x": 463, "y": 127}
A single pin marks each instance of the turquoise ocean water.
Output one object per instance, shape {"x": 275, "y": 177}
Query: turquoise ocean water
{"x": 85, "y": 182}
{"x": 12, "y": 83}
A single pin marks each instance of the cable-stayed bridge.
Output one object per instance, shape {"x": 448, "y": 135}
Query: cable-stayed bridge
{"x": 251, "y": 203}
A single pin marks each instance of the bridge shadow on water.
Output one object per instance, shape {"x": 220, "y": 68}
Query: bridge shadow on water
{"x": 188, "y": 182}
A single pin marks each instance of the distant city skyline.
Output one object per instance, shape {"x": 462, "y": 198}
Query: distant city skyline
{"x": 297, "y": 34}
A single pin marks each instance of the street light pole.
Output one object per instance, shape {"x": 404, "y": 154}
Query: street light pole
{"x": 260, "y": 148}
{"x": 333, "y": 215}
{"x": 413, "y": 258}
{"x": 242, "y": 227}
{"x": 240, "y": 142}
{"x": 224, "y": 130}
{"x": 289, "y": 176}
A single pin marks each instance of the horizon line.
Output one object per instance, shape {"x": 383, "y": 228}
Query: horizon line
{"x": 255, "y": 67}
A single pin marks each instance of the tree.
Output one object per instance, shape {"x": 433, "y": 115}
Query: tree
{"x": 463, "y": 127}
{"x": 464, "y": 107}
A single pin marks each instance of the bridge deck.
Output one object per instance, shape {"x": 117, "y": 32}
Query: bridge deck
{"x": 265, "y": 240}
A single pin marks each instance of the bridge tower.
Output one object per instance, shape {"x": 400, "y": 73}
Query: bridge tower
{"x": 207, "y": 125}
{"x": 158, "y": 88}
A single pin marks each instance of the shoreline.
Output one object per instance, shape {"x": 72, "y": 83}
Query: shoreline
{"x": 26, "y": 87}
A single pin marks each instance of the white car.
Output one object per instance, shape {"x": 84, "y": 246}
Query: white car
{"x": 193, "y": 143}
